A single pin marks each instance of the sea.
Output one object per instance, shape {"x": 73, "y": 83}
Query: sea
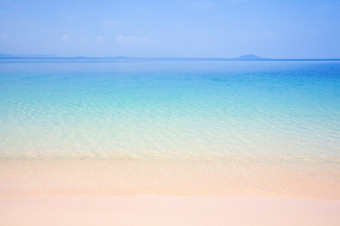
{"x": 241, "y": 115}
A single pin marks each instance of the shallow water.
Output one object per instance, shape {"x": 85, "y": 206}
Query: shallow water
{"x": 249, "y": 112}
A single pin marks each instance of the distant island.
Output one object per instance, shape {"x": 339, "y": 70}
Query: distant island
{"x": 251, "y": 57}
{"x": 248, "y": 57}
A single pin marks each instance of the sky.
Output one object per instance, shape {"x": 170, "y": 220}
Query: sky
{"x": 172, "y": 28}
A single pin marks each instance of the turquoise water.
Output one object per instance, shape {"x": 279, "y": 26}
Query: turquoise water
{"x": 139, "y": 109}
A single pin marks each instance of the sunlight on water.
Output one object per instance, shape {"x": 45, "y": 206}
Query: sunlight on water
{"x": 156, "y": 110}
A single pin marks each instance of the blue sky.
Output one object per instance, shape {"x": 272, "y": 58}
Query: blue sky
{"x": 182, "y": 28}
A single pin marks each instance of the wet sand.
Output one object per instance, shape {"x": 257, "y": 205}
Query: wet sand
{"x": 114, "y": 177}
{"x": 128, "y": 192}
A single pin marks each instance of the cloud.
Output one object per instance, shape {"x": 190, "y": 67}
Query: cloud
{"x": 100, "y": 38}
{"x": 121, "y": 39}
{"x": 65, "y": 37}
{"x": 3, "y": 34}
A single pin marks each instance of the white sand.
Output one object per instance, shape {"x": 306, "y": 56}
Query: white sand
{"x": 168, "y": 210}
{"x": 98, "y": 192}
{"x": 111, "y": 177}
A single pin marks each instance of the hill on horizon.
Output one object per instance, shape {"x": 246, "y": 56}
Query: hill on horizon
{"x": 250, "y": 57}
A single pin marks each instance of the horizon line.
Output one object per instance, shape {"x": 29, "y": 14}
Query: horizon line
{"x": 248, "y": 57}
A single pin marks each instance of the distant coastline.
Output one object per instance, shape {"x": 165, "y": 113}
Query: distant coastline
{"x": 249, "y": 57}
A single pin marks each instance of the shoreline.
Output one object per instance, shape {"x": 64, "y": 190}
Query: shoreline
{"x": 93, "y": 177}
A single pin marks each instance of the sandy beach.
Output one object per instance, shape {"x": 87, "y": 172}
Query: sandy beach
{"x": 168, "y": 210}
{"x": 105, "y": 192}
{"x": 29, "y": 177}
